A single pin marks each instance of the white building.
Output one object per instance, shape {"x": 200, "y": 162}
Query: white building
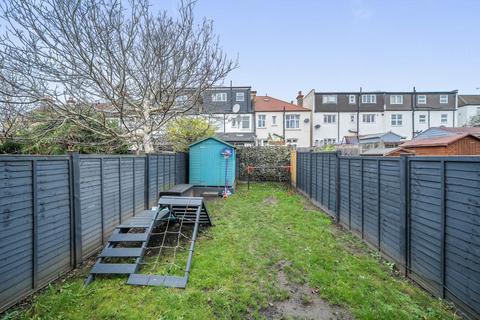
{"x": 281, "y": 122}
{"x": 339, "y": 114}
{"x": 468, "y": 107}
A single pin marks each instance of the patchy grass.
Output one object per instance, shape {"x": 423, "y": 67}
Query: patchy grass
{"x": 235, "y": 268}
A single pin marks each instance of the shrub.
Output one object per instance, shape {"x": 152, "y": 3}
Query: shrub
{"x": 269, "y": 161}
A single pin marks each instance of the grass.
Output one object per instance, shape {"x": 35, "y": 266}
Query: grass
{"x": 235, "y": 271}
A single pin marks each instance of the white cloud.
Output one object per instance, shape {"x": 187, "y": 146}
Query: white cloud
{"x": 361, "y": 11}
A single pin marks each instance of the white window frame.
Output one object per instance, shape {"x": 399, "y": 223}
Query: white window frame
{"x": 243, "y": 120}
{"x": 329, "y": 118}
{"x": 351, "y": 99}
{"x": 396, "y": 120}
{"x": 422, "y": 118}
{"x": 292, "y": 142}
{"x": 274, "y": 120}
{"x": 444, "y": 98}
{"x": 240, "y": 96}
{"x": 422, "y": 99}
{"x": 368, "y": 116}
{"x": 329, "y": 141}
{"x": 329, "y": 99}
{"x": 369, "y": 98}
{"x": 396, "y": 99}
{"x": 442, "y": 117}
{"x": 292, "y": 121}
{"x": 261, "y": 121}
{"x": 219, "y": 97}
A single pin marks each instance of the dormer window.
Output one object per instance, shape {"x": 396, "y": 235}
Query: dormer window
{"x": 351, "y": 99}
{"x": 369, "y": 98}
{"x": 422, "y": 99}
{"x": 329, "y": 99}
{"x": 240, "y": 96}
{"x": 443, "y": 99}
{"x": 219, "y": 97}
{"x": 396, "y": 99}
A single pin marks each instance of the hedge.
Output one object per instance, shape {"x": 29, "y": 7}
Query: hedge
{"x": 270, "y": 163}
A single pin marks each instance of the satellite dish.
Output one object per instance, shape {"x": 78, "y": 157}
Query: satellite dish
{"x": 236, "y": 108}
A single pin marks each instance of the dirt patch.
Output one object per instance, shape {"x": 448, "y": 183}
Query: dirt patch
{"x": 303, "y": 302}
{"x": 270, "y": 201}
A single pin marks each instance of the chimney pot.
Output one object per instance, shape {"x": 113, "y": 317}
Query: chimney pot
{"x": 300, "y": 99}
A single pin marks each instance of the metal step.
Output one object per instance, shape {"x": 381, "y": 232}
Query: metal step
{"x": 114, "y": 268}
{"x": 128, "y": 237}
{"x": 121, "y": 252}
{"x": 157, "y": 280}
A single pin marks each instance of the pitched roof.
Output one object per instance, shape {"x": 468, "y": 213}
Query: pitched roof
{"x": 468, "y": 99}
{"x": 233, "y": 137}
{"x": 208, "y": 138}
{"x": 460, "y": 130}
{"x": 436, "y": 141}
{"x": 270, "y": 104}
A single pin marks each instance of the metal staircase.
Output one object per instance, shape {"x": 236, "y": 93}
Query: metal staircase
{"x": 130, "y": 240}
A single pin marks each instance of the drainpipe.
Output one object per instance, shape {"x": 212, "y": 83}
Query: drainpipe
{"x": 284, "y": 135}
{"x": 456, "y": 107}
{"x": 414, "y": 102}
{"x": 358, "y": 115}
{"x": 338, "y": 126}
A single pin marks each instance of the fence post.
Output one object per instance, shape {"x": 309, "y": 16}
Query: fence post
{"x": 403, "y": 212}
{"x": 379, "y": 217}
{"x": 133, "y": 187}
{"x": 102, "y": 193}
{"x": 337, "y": 185}
{"x": 76, "y": 208}
{"x": 147, "y": 182}
{"x": 34, "y": 226}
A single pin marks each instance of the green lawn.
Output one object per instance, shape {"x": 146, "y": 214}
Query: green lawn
{"x": 235, "y": 266}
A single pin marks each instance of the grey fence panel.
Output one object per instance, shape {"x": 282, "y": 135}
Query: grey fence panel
{"x": 344, "y": 195}
{"x": 425, "y": 222}
{"x": 16, "y": 228}
{"x": 370, "y": 201}
{"x": 140, "y": 163}
{"x": 390, "y": 209}
{"x": 462, "y": 233}
{"x": 153, "y": 188}
{"x": 421, "y": 212}
{"x": 111, "y": 195}
{"x": 356, "y": 195}
{"x": 91, "y": 204}
{"x": 126, "y": 175}
{"x": 54, "y": 238}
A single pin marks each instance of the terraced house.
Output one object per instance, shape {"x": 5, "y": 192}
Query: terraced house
{"x": 339, "y": 114}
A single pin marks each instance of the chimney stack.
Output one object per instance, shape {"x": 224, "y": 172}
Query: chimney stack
{"x": 300, "y": 99}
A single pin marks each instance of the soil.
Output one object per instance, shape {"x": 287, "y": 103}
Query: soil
{"x": 303, "y": 303}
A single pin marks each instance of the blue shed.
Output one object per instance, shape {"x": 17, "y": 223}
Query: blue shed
{"x": 212, "y": 163}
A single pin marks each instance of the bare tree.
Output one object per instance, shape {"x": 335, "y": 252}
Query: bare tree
{"x": 120, "y": 58}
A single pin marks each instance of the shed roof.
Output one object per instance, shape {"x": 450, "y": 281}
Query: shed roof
{"x": 214, "y": 138}
{"x": 270, "y": 104}
{"x": 436, "y": 141}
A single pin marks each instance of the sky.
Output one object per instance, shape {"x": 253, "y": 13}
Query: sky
{"x": 284, "y": 46}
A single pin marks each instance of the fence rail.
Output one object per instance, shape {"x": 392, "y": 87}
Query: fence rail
{"x": 55, "y": 211}
{"x": 423, "y": 213}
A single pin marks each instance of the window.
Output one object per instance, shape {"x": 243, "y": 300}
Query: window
{"x": 369, "y": 98}
{"x": 240, "y": 96}
{"x": 292, "y": 142}
{"x": 444, "y": 118}
{"x": 332, "y": 98}
{"x": 245, "y": 122}
{"x": 397, "y": 120}
{"x": 443, "y": 98}
{"x": 292, "y": 121}
{"x": 261, "y": 121}
{"x": 219, "y": 97}
{"x": 396, "y": 99}
{"x": 351, "y": 98}
{"x": 329, "y": 118}
{"x": 274, "y": 120}
{"x": 422, "y": 118}
{"x": 352, "y": 118}
{"x": 368, "y": 118}
{"x": 422, "y": 99}
{"x": 329, "y": 141}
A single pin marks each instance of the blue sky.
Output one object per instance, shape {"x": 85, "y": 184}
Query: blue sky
{"x": 285, "y": 46}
